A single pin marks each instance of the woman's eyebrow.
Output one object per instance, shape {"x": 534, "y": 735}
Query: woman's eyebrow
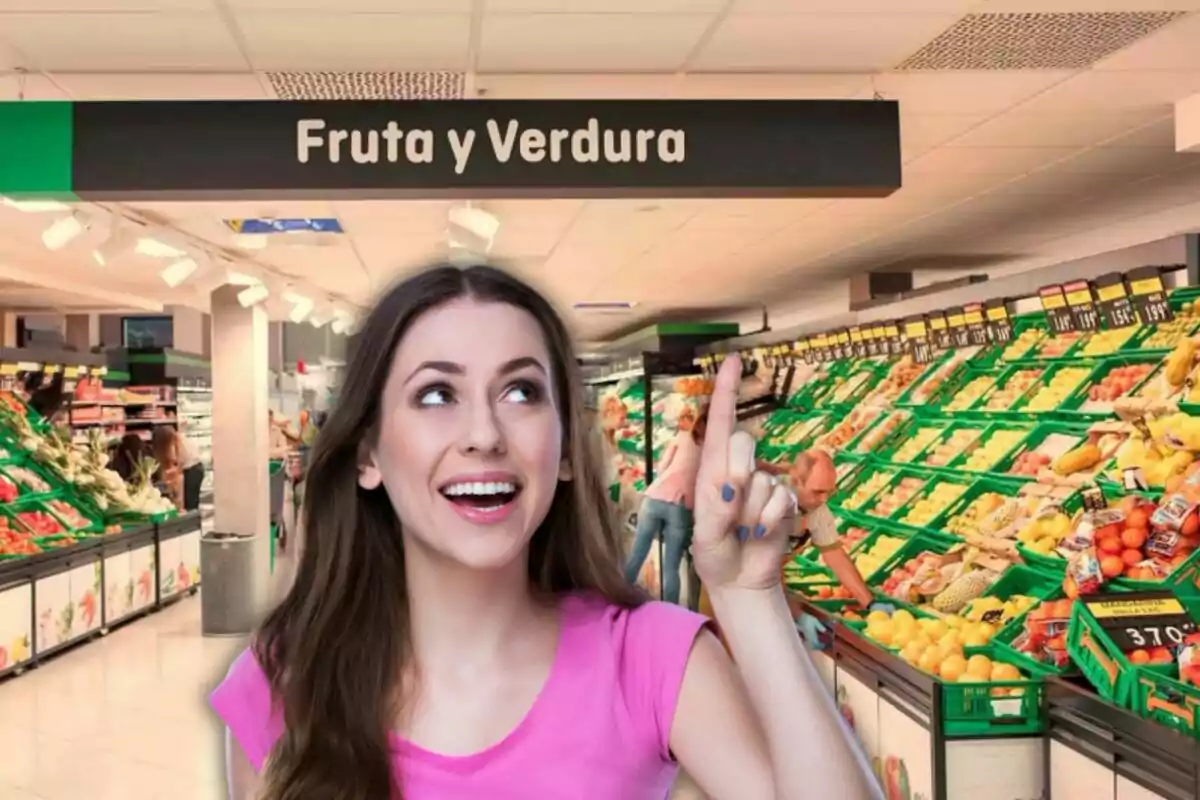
{"x": 447, "y": 367}
{"x": 521, "y": 363}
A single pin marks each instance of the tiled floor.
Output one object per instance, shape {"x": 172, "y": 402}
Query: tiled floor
{"x": 122, "y": 718}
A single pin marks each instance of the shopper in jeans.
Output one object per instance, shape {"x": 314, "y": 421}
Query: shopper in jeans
{"x": 667, "y": 505}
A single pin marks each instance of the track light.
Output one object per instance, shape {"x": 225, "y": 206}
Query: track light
{"x": 316, "y": 321}
{"x": 252, "y": 295}
{"x": 178, "y": 272}
{"x": 119, "y": 242}
{"x": 63, "y": 231}
{"x": 242, "y": 279}
{"x": 301, "y": 306}
{"x": 475, "y": 220}
{"x": 35, "y": 206}
{"x": 156, "y": 248}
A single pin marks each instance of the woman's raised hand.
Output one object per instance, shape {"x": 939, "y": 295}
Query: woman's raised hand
{"x": 743, "y": 516}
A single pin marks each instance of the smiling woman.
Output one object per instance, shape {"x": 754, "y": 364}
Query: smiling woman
{"x": 459, "y": 625}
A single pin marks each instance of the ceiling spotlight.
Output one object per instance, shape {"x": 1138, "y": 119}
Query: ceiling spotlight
{"x": 178, "y": 272}
{"x": 252, "y": 295}
{"x": 479, "y": 222}
{"x": 242, "y": 279}
{"x": 155, "y": 248}
{"x": 316, "y": 321}
{"x": 63, "y": 231}
{"x": 301, "y": 306}
{"x": 35, "y": 206}
{"x": 118, "y": 243}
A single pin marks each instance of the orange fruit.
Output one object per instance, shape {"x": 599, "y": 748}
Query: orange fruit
{"x": 1110, "y": 544}
{"x": 1111, "y": 566}
{"x": 1132, "y": 557}
{"x": 1134, "y": 537}
{"x": 1139, "y": 657}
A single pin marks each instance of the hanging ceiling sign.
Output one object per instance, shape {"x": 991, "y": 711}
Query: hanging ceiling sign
{"x": 300, "y": 225}
{"x": 478, "y": 148}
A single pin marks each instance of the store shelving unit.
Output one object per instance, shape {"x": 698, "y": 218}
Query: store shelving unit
{"x": 185, "y": 379}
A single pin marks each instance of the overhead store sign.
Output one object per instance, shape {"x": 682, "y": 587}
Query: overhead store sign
{"x": 297, "y": 225}
{"x": 477, "y": 148}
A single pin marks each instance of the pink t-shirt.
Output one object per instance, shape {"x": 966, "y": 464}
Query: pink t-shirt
{"x": 598, "y": 731}
{"x": 677, "y": 482}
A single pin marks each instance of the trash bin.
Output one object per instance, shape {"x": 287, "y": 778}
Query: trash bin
{"x": 227, "y": 606}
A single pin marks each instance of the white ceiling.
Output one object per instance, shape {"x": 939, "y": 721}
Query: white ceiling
{"x": 1030, "y": 167}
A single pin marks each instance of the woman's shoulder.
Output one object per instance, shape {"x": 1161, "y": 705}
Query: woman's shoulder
{"x": 648, "y": 645}
{"x": 244, "y": 702}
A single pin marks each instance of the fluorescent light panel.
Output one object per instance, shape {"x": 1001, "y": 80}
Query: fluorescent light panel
{"x": 252, "y": 295}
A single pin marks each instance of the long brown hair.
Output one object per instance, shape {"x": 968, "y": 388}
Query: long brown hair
{"x": 335, "y": 649}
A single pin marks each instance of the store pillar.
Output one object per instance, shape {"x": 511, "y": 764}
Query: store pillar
{"x": 241, "y": 440}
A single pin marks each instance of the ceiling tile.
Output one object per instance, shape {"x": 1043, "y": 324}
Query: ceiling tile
{"x": 1111, "y": 90}
{"x": 1172, "y": 48}
{"x": 853, "y": 6}
{"x": 988, "y": 160}
{"x": 101, "y": 6}
{"x": 1078, "y": 6}
{"x": 314, "y": 41}
{"x": 1019, "y": 129}
{"x": 354, "y": 6}
{"x": 130, "y": 42}
{"x": 920, "y": 133}
{"x": 30, "y": 87}
{"x": 159, "y": 86}
{"x": 604, "y": 6}
{"x": 588, "y": 42}
{"x": 1137, "y": 162}
{"x": 1159, "y": 134}
{"x": 978, "y": 93}
{"x": 816, "y": 42}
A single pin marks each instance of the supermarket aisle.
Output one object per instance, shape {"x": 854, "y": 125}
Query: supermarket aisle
{"x": 119, "y": 719}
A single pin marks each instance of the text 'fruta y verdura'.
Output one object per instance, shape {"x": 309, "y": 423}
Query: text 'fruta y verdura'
{"x": 590, "y": 144}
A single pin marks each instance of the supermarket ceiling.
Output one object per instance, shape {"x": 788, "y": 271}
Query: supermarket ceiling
{"x": 1033, "y": 131}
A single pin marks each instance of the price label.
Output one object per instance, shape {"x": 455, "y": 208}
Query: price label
{"x": 1112, "y": 299}
{"x": 1149, "y": 296}
{"x": 869, "y": 343}
{"x": 957, "y": 321}
{"x": 858, "y": 342}
{"x": 891, "y": 332}
{"x": 916, "y": 333}
{"x": 1054, "y": 303}
{"x": 939, "y": 330}
{"x": 999, "y": 323}
{"x": 976, "y": 327}
{"x": 1142, "y": 620}
{"x": 1082, "y": 305}
{"x": 844, "y": 345}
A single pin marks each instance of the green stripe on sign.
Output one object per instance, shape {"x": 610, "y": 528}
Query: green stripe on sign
{"x": 36, "y": 142}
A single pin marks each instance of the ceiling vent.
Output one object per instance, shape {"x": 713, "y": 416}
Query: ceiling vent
{"x": 367, "y": 85}
{"x": 1035, "y": 41}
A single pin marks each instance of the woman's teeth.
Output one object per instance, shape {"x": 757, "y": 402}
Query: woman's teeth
{"x": 479, "y": 489}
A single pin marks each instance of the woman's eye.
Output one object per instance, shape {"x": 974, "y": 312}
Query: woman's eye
{"x": 435, "y": 396}
{"x": 523, "y": 392}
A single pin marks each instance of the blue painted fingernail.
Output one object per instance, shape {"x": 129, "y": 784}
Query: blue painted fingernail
{"x": 727, "y": 493}
{"x": 760, "y": 531}
{"x": 743, "y": 533}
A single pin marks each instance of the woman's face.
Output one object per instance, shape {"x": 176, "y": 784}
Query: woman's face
{"x": 470, "y": 446}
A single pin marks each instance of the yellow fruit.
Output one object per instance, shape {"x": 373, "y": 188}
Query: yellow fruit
{"x": 1005, "y": 672}
{"x": 930, "y": 660}
{"x": 902, "y": 636}
{"x": 877, "y": 616}
{"x": 952, "y": 668}
{"x": 881, "y": 631}
{"x": 912, "y": 652}
{"x": 979, "y": 666}
{"x": 903, "y": 617}
{"x": 936, "y": 628}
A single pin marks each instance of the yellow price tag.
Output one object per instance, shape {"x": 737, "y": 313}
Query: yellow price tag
{"x": 856, "y": 335}
{"x": 1116, "y": 607}
{"x": 938, "y": 323}
{"x": 1053, "y": 301}
{"x": 914, "y": 330}
{"x": 8, "y": 369}
{"x": 973, "y": 317}
{"x": 802, "y": 346}
{"x": 956, "y": 320}
{"x": 997, "y": 313}
{"x": 1113, "y": 292}
{"x": 893, "y": 331}
{"x": 1146, "y": 286}
{"x": 1079, "y": 297}
{"x": 843, "y": 338}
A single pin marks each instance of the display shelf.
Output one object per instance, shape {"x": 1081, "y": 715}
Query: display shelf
{"x": 60, "y": 599}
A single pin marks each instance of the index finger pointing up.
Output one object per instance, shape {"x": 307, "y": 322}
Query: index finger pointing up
{"x": 722, "y": 419}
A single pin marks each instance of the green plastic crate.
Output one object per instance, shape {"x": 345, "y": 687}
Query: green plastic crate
{"x": 1071, "y": 409}
{"x": 956, "y": 427}
{"x": 1011, "y": 411}
{"x": 941, "y": 401}
{"x": 934, "y": 524}
{"x": 855, "y": 480}
{"x": 1160, "y": 696}
{"x": 1040, "y": 432}
{"x": 1129, "y": 344}
{"x": 1052, "y": 371}
{"x": 977, "y": 709}
{"x": 1104, "y": 665}
{"x": 959, "y": 464}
